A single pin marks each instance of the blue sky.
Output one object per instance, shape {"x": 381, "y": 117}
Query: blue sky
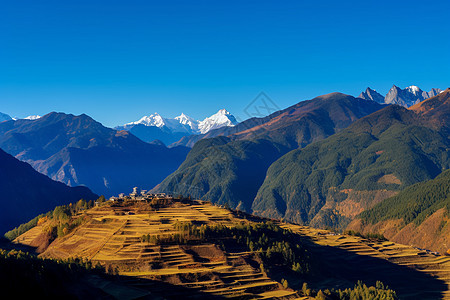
{"x": 119, "y": 60}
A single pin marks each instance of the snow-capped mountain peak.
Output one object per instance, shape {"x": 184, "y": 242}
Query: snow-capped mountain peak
{"x": 187, "y": 121}
{"x": 219, "y": 119}
{"x": 151, "y": 120}
{"x": 33, "y": 117}
{"x": 413, "y": 89}
{"x": 186, "y": 124}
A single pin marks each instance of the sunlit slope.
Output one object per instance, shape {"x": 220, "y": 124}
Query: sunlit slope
{"x": 418, "y": 215}
{"x": 113, "y": 238}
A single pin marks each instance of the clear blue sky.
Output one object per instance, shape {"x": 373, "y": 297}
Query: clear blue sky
{"x": 119, "y": 60}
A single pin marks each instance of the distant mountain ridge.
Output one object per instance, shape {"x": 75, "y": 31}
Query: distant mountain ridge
{"x": 154, "y": 126}
{"x": 77, "y": 150}
{"x": 274, "y": 126}
{"x": 26, "y": 193}
{"x": 329, "y": 182}
{"x": 229, "y": 168}
{"x": 405, "y": 97}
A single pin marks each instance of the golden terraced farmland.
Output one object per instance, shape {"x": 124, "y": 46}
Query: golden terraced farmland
{"x": 113, "y": 238}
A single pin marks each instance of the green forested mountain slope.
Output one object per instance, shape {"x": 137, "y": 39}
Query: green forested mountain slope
{"x": 329, "y": 182}
{"x": 418, "y": 216}
{"x": 413, "y": 204}
{"x": 229, "y": 170}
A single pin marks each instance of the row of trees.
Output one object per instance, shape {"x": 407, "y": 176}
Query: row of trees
{"x": 359, "y": 292}
{"x": 274, "y": 245}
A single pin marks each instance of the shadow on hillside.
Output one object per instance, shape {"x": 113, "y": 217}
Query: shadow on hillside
{"x": 331, "y": 268}
{"x": 128, "y": 287}
{"x": 339, "y": 268}
{"x": 90, "y": 285}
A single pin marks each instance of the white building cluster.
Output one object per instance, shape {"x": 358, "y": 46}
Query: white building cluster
{"x": 141, "y": 195}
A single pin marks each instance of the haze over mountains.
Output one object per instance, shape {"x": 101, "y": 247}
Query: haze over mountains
{"x": 25, "y": 193}
{"x": 405, "y": 97}
{"x": 156, "y": 127}
{"x": 77, "y": 150}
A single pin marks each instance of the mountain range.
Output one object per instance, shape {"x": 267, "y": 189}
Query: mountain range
{"x": 26, "y": 193}
{"x": 324, "y": 161}
{"x": 156, "y": 127}
{"x": 333, "y": 161}
{"x": 77, "y": 150}
{"x": 230, "y": 168}
{"x": 405, "y": 97}
{"x": 329, "y": 182}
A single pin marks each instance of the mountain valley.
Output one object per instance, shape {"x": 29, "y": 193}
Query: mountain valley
{"x": 77, "y": 150}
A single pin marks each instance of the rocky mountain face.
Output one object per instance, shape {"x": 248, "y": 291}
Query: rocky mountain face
{"x": 229, "y": 168}
{"x": 156, "y": 127}
{"x": 77, "y": 150}
{"x": 25, "y": 193}
{"x": 329, "y": 182}
{"x": 373, "y": 95}
{"x": 405, "y": 97}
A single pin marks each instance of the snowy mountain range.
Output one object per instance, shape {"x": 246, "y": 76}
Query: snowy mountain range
{"x": 33, "y": 117}
{"x": 6, "y": 117}
{"x": 186, "y": 124}
{"x": 405, "y": 97}
{"x": 155, "y": 127}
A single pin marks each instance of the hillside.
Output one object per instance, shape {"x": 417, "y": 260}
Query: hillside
{"x": 184, "y": 248}
{"x": 297, "y": 125}
{"x": 229, "y": 170}
{"x": 418, "y": 215}
{"x": 329, "y": 182}
{"x": 26, "y": 193}
{"x": 77, "y": 150}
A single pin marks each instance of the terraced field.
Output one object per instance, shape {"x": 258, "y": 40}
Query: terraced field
{"x": 393, "y": 263}
{"x": 113, "y": 239}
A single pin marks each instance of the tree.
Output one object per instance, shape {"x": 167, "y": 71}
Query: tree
{"x": 321, "y": 296}
{"x": 285, "y": 283}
